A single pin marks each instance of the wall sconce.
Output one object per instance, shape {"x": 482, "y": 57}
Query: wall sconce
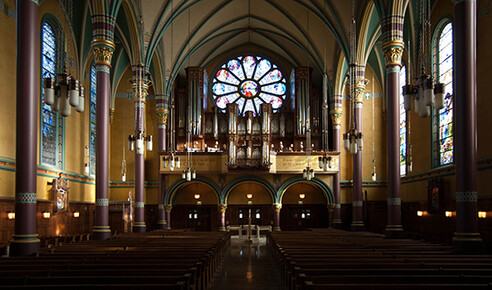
{"x": 448, "y": 214}
{"x": 197, "y": 196}
{"x": 482, "y": 214}
{"x": 249, "y": 195}
{"x": 302, "y": 195}
{"x": 420, "y": 213}
{"x": 46, "y": 214}
{"x": 76, "y": 214}
{"x": 11, "y": 215}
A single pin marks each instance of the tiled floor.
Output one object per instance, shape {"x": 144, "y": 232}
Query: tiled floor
{"x": 248, "y": 266}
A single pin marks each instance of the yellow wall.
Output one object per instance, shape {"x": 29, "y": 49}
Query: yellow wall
{"x": 76, "y": 126}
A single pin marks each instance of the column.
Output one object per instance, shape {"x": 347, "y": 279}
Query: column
{"x": 162, "y": 109}
{"x": 222, "y": 210}
{"x": 393, "y": 51}
{"x": 168, "y": 208}
{"x": 336, "y": 120}
{"x": 25, "y": 239}
{"x": 466, "y": 238}
{"x": 103, "y": 45}
{"x": 161, "y": 214}
{"x": 140, "y": 86}
{"x": 357, "y": 203}
{"x": 276, "y": 217}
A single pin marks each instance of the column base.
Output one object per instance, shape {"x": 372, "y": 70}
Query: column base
{"x": 336, "y": 224}
{"x": 222, "y": 229}
{"x": 24, "y": 245}
{"x": 357, "y": 226}
{"x": 101, "y": 233}
{"x": 469, "y": 243}
{"x": 393, "y": 232}
{"x": 139, "y": 227}
{"x": 161, "y": 224}
{"x": 277, "y": 229}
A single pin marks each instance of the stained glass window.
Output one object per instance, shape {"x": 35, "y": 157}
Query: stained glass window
{"x": 249, "y": 81}
{"x": 92, "y": 124}
{"x": 50, "y": 131}
{"x": 403, "y": 125}
{"x": 444, "y": 118}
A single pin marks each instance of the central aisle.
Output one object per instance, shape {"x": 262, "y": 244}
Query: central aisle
{"x": 248, "y": 266}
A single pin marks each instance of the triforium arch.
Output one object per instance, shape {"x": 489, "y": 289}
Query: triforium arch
{"x": 322, "y": 186}
{"x": 236, "y": 182}
{"x": 171, "y": 193}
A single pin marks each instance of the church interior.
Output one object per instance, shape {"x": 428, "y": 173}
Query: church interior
{"x": 348, "y": 136}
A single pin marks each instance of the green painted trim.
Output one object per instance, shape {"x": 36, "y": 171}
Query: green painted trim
{"x": 325, "y": 189}
{"x": 231, "y": 185}
{"x": 170, "y": 193}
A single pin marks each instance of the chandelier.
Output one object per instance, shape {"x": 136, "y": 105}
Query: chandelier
{"x": 325, "y": 162}
{"x": 426, "y": 93}
{"x": 139, "y": 139}
{"x": 189, "y": 174}
{"x": 353, "y": 140}
{"x": 64, "y": 91}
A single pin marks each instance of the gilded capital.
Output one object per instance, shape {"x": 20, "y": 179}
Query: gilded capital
{"x": 111, "y": 115}
{"x": 360, "y": 88}
{"x": 336, "y": 118}
{"x": 168, "y": 207}
{"x": 222, "y": 208}
{"x": 393, "y": 52}
{"x": 162, "y": 117}
{"x": 103, "y": 54}
{"x": 278, "y": 207}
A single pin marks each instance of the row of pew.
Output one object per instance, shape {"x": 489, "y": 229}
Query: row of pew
{"x": 335, "y": 259}
{"x": 164, "y": 259}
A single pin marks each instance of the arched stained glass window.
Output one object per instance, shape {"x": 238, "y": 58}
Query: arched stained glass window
{"x": 92, "y": 124}
{"x": 403, "y": 125}
{"x": 249, "y": 81}
{"x": 443, "y": 119}
{"x": 51, "y": 130}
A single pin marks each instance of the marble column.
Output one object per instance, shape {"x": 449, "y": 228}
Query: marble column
{"x": 168, "y": 208}
{"x": 357, "y": 203}
{"x": 276, "y": 217}
{"x": 140, "y": 86}
{"x": 25, "y": 239}
{"x": 103, "y": 45}
{"x": 336, "y": 119}
{"x": 222, "y": 210}
{"x": 466, "y": 238}
{"x": 393, "y": 51}
{"x": 161, "y": 213}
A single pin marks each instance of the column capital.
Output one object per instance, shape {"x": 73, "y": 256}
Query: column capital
{"x": 168, "y": 207}
{"x": 111, "y": 115}
{"x": 223, "y": 207}
{"x": 103, "y": 52}
{"x": 393, "y": 52}
{"x": 360, "y": 88}
{"x": 336, "y": 118}
{"x": 278, "y": 207}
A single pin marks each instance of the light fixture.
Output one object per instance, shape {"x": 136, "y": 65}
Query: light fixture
{"x": 308, "y": 172}
{"x": 139, "y": 140}
{"x": 325, "y": 162}
{"x": 189, "y": 174}
{"x": 426, "y": 93}
{"x": 482, "y": 214}
{"x": 171, "y": 161}
{"x": 123, "y": 165}
{"x": 86, "y": 160}
{"x": 249, "y": 195}
{"x": 11, "y": 215}
{"x": 420, "y": 213}
{"x": 76, "y": 214}
{"x": 302, "y": 195}
{"x": 448, "y": 214}
{"x": 353, "y": 141}
{"x": 46, "y": 214}
{"x": 63, "y": 92}
{"x": 197, "y": 196}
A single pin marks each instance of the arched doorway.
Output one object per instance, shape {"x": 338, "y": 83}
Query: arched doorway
{"x": 195, "y": 207}
{"x": 303, "y": 206}
{"x": 249, "y": 197}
